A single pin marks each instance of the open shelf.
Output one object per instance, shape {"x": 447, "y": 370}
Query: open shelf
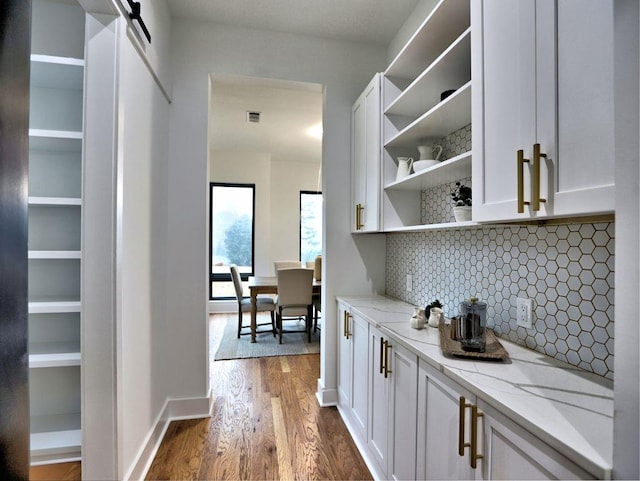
{"x": 56, "y": 111}
{"x": 446, "y": 171}
{"x": 55, "y": 438}
{"x": 449, "y": 71}
{"x": 437, "y": 58}
{"x": 57, "y": 72}
{"x": 47, "y": 139}
{"x": 53, "y": 304}
{"x": 447, "y": 20}
{"x": 54, "y": 201}
{"x": 54, "y": 255}
{"x": 447, "y": 116}
{"x": 442, "y": 226}
{"x": 54, "y": 354}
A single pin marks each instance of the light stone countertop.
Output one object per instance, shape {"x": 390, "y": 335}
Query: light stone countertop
{"x": 566, "y": 407}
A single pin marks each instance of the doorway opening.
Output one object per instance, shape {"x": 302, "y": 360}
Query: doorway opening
{"x": 264, "y": 133}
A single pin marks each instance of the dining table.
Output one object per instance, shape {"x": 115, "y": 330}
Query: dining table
{"x": 267, "y": 285}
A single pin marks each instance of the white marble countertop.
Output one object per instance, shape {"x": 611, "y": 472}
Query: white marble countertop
{"x": 566, "y": 407}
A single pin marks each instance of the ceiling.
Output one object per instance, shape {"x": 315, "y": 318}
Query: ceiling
{"x": 291, "y": 113}
{"x": 288, "y": 109}
{"x": 369, "y": 21}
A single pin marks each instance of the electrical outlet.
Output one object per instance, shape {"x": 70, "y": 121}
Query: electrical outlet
{"x": 524, "y": 312}
{"x": 409, "y": 282}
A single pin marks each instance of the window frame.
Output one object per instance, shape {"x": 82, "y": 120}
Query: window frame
{"x": 302, "y": 192}
{"x": 226, "y": 277}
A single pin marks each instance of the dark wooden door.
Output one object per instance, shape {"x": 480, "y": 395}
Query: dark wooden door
{"x": 15, "y": 26}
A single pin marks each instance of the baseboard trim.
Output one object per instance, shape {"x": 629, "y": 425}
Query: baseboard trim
{"x": 326, "y": 397}
{"x": 223, "y": 307}
{"x": 173, "y": 410}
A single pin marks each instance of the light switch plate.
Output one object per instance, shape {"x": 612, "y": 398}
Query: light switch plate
{"x": 409, "y": 282}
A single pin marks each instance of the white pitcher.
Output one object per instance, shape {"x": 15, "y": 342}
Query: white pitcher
{"x": 404, "y": 167}
{"x": 426, "y": 152}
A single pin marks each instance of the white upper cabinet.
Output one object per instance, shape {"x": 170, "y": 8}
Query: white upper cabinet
{"x": 436, "y": 59}
{"x": 543, "y": 76}
{"x": 365, "y": 159}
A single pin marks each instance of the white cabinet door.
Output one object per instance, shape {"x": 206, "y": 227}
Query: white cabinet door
{"x": 392, "y": 406}
{"x": 504, "y": 93}
{"x": 439, "y": 428}
{"x": 511, "y": 452}
{"x": 359, "y": 333}
{"x": 366, "y": 146}
{"x": 344, "y": 359}
{"x": 402, "y": 412}
{"x": 353, "y": 368}
{"x": 542, "y": 73}
{"x": 584, "y": 166}
{"x": 378, "y": 421}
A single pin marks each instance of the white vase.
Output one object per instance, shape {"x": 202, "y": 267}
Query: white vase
{"x": 418, "y": 319}
{"x": 435, "y": 316}
{"x": 462, "y": 213}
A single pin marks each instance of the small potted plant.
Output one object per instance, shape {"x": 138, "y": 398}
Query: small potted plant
{"x": 461, "y": 198}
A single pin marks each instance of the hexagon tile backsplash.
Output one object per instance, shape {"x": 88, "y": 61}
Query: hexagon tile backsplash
{"x": 566, "y": 269}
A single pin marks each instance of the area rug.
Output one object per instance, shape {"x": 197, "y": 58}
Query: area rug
{"x": 266, "y": 345}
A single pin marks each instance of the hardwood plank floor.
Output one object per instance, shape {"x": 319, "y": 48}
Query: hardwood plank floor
{"x": 56, "y": 472}
{"x": 266, "y": 424}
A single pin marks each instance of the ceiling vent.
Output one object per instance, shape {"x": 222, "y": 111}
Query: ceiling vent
{"x": 253, "y": 116}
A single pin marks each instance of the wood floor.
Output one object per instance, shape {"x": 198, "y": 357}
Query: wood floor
{"x": 266, "y": 424}
{"x": 56, "y": 472}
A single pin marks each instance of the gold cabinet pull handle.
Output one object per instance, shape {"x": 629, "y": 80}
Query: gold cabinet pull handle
{"x": 359, "y": 209}
{"x": 463, "y": 405}
{"x": 536, "y": 199}
{"x": 521, "y": 162}
{"x": 475, "y": 414}
{"x": 387, "y": 347}
{"x": 344, "y": 324}
{"x": 381, "y": 355}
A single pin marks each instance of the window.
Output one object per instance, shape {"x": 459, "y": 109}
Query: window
{"x": 310, "y": 225}
{"x": 232, "y": 230}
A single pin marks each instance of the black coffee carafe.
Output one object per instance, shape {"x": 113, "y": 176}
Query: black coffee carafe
{"x": 473, "y": 319}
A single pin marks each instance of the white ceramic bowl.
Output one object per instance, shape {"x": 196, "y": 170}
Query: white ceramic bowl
{"x": 420, "y": 165}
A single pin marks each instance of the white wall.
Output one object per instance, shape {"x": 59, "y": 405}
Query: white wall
{"x": 277, "y": 213}
{"x": 343, "y": 69}
{"x": 287, "y": 180}
{"x": 124, "y": 241}
{"x": 143, "y": 143}
{"x": 626, "y": 423}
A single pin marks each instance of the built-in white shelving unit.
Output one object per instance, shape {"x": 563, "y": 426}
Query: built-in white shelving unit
{"x": 55, "y": 251}
{"x": 437, "y": 58}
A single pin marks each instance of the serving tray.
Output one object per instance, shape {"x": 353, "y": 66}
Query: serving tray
{"x": 494, "y": 351}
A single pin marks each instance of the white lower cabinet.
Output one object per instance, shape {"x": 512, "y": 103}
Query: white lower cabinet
{"x": 353, "y": 366}
{"x": 412, "y": 421}
{"x": 439, "y": 426}
{"x": 512, "y": 452}
{"x": 391, "y": 434}
{"x": 461, "y": 437}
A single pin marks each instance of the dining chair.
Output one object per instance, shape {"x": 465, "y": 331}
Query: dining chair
{"x": 295, "y": 298}
{"x": 317, "y": 302}
{"x": 263, "y": 304}
{"x": 277, "y": 265}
